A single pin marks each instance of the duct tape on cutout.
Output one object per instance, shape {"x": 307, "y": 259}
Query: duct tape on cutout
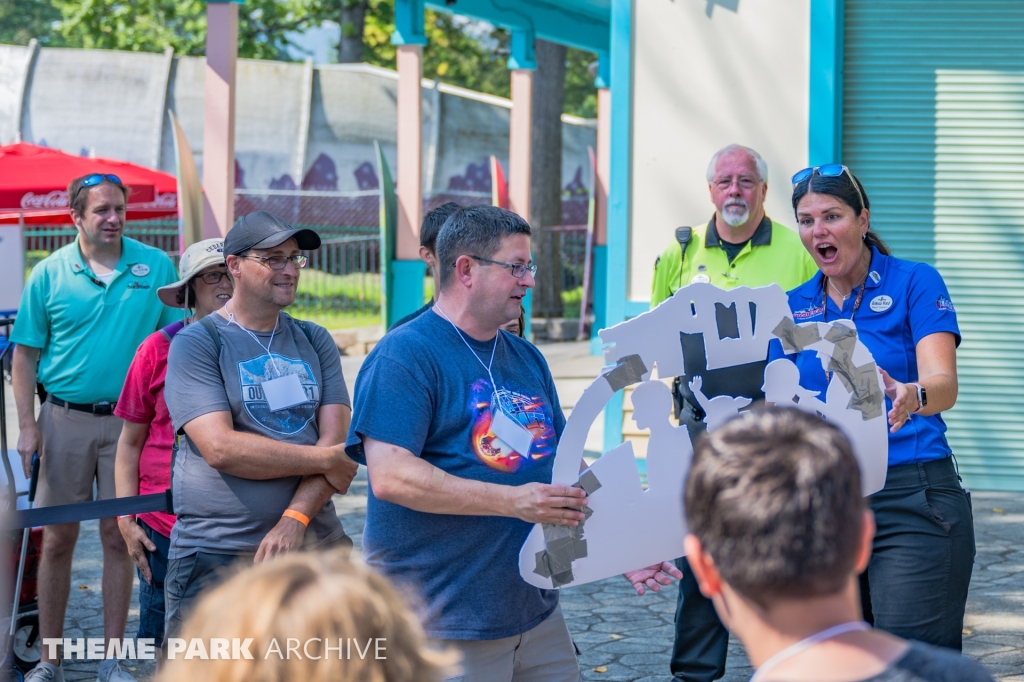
{"x": 629, "y": 370}
{"x": 565, "y": 544}
{"x": 862, "y": 381}
{"x": 794, "y": 337}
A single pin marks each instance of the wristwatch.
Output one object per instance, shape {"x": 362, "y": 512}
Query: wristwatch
{"x": 922, "y": 398}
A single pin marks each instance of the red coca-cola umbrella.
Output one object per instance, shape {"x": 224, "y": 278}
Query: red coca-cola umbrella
{"x": 34, "y": 182}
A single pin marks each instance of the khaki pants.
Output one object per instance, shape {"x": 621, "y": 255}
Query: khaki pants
{"x": 544, "y": 654}
{"x": 77, "y": 449}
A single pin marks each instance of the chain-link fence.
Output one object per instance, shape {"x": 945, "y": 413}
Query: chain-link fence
{"x": 42, "y": 240}
{"x": 341, "y": 285}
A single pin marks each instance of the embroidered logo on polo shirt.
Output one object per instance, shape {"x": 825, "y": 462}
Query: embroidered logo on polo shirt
{"x": 808, "y": 313}
{"x": 700, "y": 278}
{"x": 140, "y": 270}
{"x": 881, "y": 303}
{"x": 138, "y": 285}
{"x": 943, "y": 303}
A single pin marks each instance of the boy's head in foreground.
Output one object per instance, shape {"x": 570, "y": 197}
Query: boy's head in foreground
{"x": 303, "y": 600}
{"x": 775, "y": 512}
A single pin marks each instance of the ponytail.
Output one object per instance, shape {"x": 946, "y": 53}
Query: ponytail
{"x": 872, "y": 239}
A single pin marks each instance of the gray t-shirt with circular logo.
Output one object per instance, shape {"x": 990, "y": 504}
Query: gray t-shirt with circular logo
{"x": 218, "y": 512}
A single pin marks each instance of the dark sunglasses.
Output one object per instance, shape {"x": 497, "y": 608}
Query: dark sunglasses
{"x": 829, "y": 170}
{"x": 95, "y": 179}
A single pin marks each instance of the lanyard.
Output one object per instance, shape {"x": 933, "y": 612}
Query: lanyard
{"x": 231, "y": 319}
{"x": 856, "y": 302}
{"x": 805, "y": 644}
{"x": 486, "y": 367}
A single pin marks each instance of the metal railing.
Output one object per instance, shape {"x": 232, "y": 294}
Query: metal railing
{"x": 42, "y": 240}
{"x": 573, "y": 249}
{"x": 341, "y": 285}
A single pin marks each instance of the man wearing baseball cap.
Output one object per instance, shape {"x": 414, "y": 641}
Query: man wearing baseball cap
{"x": 260, "y": 405}
{"x": 143, "y": 464}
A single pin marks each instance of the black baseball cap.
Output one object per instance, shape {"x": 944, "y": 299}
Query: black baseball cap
{"x": 264, "y": 230}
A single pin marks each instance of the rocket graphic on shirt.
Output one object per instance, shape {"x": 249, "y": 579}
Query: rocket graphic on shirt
{"x": 531, "y": 412}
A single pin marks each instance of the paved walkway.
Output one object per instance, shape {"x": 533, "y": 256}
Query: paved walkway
{"x": 625, "y": 637}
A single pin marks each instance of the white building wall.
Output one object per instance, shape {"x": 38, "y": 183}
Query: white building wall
{"x": 708, "y": 73}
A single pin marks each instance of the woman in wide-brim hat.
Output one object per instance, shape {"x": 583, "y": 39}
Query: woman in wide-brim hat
{"x": 143, "y": 462}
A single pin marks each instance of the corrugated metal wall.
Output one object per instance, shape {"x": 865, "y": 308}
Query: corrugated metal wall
{"x": 934, "y": 127}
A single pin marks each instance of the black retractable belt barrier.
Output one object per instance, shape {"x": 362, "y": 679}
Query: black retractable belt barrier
{"x": 84, "y": 511}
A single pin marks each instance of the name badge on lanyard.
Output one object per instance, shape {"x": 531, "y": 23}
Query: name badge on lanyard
{"x": 511, "y": 432}
{"x": 284, "y": 392}
{"x": 508, "y": 430}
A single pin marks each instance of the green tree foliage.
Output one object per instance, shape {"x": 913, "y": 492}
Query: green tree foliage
{"x": 23, "y": 20}
{"x": 459, "y": 51}
{"x": 152, "y": 25}
{"x": 472, "y": 55}
{"x": 580, "y": 93}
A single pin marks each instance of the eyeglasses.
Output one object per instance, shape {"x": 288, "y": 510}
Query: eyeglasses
{"x": 518, "y": 270}
{"x": 278, "y": 262}
{"x": 213, "y": 278}
{"x": 95, "y": 179}
{"x": 829, "y": 170}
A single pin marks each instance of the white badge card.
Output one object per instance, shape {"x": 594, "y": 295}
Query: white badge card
{"x": 511, "y": 432}
{"x": 284, "y": 392}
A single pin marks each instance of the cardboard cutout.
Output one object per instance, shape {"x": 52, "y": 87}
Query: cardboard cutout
{"x": 627, "y": 527}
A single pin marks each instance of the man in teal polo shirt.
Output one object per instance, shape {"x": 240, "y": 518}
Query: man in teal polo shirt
{"x": 739, "y": 246}
{"x": 84, "y": 311}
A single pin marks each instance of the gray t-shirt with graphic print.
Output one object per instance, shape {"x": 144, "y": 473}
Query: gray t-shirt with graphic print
{"x": 218, "y": 512}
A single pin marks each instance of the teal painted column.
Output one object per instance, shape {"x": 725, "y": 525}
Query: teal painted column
{"x": 825, "y": 115}
{"x": 600, "y": 297}
{"x": 407, "y": 287}
{"x": 528, "y": 314}
{"x": 617, "y": 267}
{"x": 406, "y": 270}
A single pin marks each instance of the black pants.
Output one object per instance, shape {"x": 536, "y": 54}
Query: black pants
{"x": 916, "y": 583}
{"x": 702, "y": 642}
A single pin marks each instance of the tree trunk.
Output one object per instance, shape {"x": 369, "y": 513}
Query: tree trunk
{"x": 546, "y": 176}
{"x": 352, "y": 19}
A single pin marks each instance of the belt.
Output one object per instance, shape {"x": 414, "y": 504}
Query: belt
{"x": 101, "y": 409}
{"x": 921, "y": 473}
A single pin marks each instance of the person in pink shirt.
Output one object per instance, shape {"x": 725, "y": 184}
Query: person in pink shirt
{"x": 143, "y": 461}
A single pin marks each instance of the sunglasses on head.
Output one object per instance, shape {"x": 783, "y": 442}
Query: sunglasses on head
{"x": 95, "y": 179}
{"x": 829, "y": 170}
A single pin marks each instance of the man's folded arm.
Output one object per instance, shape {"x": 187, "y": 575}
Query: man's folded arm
{"x": 257, "y": 458}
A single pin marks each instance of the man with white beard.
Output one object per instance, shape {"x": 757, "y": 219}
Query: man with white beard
{"x": 739, "y": 246}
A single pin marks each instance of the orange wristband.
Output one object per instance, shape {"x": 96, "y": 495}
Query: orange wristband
{"x": 298, "y": 516}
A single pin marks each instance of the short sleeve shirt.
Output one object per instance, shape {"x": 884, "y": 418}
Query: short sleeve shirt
{"x": 142, "y": 402}
{"x": 219, "y": 512}
{"x": 903, "y": 303}
{"x": 88, "y": 330}
{"x": 773, "y": 255}
{"x": 424, "y": 388}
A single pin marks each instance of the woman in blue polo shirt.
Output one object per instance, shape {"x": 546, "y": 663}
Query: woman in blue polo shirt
{"x": 916, "y": 583}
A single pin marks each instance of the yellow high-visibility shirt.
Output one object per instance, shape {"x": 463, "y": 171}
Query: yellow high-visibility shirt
{"x": 774, "y": 254}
